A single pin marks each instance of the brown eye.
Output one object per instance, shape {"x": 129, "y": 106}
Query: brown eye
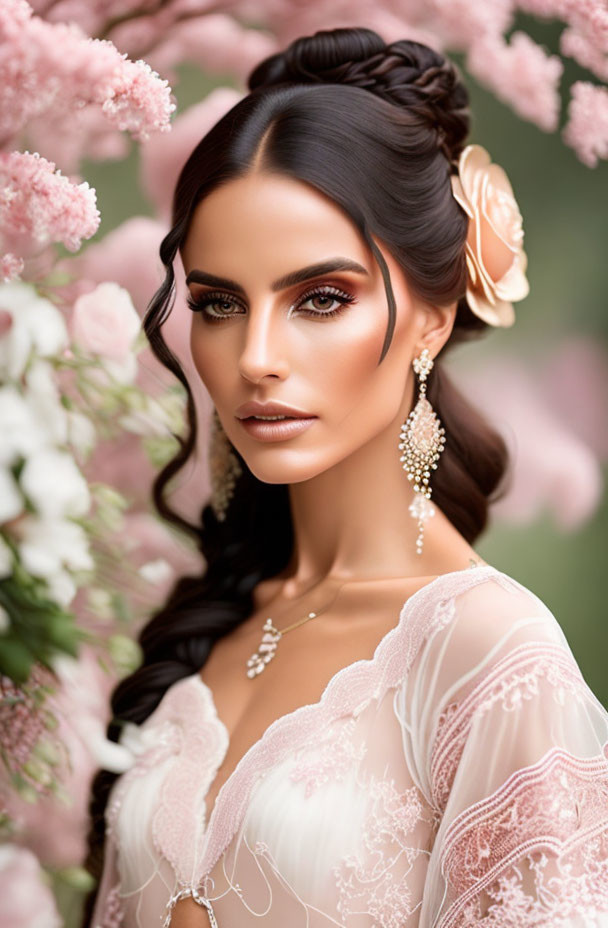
{"x": 325, "y": 296}
{"x": 219, "y": 302}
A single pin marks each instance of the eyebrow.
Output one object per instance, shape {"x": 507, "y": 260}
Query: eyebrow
{"x": 289, "y": 280}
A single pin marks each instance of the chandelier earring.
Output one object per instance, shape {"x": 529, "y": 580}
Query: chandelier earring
{"x": 224, "y": 468}
{"x": 422, "y": 441}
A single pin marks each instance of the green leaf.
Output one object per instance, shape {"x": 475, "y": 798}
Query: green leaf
{"x": 15, "y": 659}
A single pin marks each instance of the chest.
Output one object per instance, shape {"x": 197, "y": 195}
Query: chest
{"x": 306, "y": 659}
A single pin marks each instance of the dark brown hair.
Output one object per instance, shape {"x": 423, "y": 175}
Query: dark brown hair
{"x": 377, "y": 128}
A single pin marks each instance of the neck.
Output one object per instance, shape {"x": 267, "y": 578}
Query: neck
{"x": 351, "y": 522}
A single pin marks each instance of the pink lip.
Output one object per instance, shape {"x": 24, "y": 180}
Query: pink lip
{"x": 253, "y": 408}
{"x": 276, "y": 431}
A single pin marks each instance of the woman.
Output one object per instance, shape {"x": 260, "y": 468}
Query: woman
{"x": 350, "y": 719}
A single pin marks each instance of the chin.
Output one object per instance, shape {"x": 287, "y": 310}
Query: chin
{"x": 287, "y": 466}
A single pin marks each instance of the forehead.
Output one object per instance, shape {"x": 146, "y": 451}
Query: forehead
{"x": 268, "y": 224}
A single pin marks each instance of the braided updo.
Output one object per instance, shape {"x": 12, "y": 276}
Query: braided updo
{"x": 406, "y": 73}
{"x": 385, "y": 157}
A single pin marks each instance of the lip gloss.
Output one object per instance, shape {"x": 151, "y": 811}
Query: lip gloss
{"x": 276, "y": 430}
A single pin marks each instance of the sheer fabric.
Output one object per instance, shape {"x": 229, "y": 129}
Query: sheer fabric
{"x": 458, "y": 778}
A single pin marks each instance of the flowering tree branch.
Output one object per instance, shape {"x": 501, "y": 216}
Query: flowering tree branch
{"x": 518, "y": 70}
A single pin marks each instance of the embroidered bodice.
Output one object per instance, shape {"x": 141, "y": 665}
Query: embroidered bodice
{"x": 460, "y": 774}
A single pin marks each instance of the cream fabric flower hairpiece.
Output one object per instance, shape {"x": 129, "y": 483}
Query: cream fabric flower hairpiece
{"x": 495, "y": 257}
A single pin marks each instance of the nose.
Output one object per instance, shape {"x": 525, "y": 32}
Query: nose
{"x": 264, "y": 352}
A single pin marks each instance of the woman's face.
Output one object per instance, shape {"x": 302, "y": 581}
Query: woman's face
{"x": 313, "y": 344}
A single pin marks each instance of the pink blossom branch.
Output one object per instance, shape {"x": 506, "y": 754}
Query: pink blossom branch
{"x": 517, "y": 70}
{"x": 39, "y": 206}
{"x": 521, "y": 74}
{"x": 585, "y": 51}
{"x": 585, "y": 37}
{"x": 48, "y": 68}
{"x": 587, "y": 128}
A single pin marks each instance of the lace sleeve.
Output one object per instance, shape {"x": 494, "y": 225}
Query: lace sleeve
{"x": 509, "y": 745}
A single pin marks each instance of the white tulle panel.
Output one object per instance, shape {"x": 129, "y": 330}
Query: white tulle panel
{"x": 509, "y": 746}
{"x": 335, "y": 834}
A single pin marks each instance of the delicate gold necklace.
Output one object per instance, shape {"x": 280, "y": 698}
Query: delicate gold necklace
{"x": 271, "y": 635}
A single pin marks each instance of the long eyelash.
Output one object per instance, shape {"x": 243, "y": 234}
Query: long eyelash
{"x": 340, "y": 295}
{"x": 216, "y": 297}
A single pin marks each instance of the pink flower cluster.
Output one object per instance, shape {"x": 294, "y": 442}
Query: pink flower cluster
{"x": 586, "y": 36}
{"x": 587, "y": 128}
{"x": 520, "y": 74}
{"x": 22, "y": 722}
{"x": 38, "y": 206}
{"x": 47, "y": 69}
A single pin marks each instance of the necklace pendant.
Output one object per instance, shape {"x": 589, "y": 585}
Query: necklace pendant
{"x": 266, "y": 651}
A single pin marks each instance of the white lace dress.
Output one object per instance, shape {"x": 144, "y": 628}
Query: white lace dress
{"x": 458, "y": 778}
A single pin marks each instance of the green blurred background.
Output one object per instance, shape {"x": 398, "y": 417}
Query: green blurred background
{"x": 563, "y": 203}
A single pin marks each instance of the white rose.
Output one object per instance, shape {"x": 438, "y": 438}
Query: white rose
{"x": 21, "y": 433}
{"x": 124, "y": 371}
{"x": 53, "y": 483}
{"x": 48, "y": 545}
{"x": 61, "y": 588}
{"x": 105, "y": 322}
{"x": 151, "y": 419}
{"x": 35, "y": 323}
{"x": 43, "y": 398}
{"x": 89, "y": 721}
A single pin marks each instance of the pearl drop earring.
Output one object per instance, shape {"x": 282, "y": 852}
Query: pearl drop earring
{"x": 423, "y": 440}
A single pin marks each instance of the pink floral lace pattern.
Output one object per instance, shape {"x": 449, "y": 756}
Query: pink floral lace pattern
{"x": 560, "y": 894}
{"x": 337, "y": 755}
{"x": 538, "y": 848}
{"x": 512, "y": 680}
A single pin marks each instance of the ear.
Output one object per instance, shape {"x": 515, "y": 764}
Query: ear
{"x": 435, "y": 327}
